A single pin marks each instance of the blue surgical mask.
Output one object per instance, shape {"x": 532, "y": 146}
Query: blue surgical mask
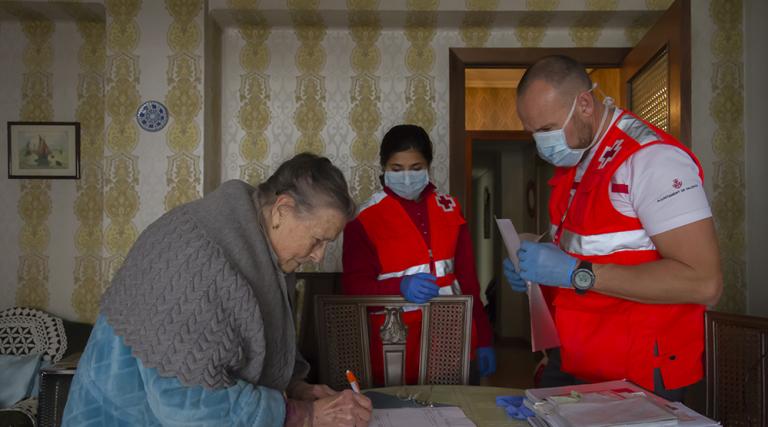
{"x": 407, "y": 184}
{"x": 553, "y": 146}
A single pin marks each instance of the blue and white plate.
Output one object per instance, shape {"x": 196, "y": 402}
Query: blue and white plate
{"x": 152, "y": 116}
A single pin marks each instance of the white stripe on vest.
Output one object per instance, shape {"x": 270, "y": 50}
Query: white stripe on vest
{"x": 374, "y": 200}
{"x": 442, "y": 268}
{"x": 606, "y": 243}
{"x": 637, "y": 130}
{"x": 416, "y": 269}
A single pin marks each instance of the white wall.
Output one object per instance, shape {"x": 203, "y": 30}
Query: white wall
{"x": 485, "y": 256}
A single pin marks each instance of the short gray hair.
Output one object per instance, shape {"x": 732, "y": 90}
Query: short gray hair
{"x": 312, "y": 181}
{"x": 559, "y": 71}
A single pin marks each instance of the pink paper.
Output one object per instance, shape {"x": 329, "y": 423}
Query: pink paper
{"x": 543, "y": 332}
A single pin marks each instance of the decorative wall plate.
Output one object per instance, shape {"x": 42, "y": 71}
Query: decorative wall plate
{"x": 152, "y": 116}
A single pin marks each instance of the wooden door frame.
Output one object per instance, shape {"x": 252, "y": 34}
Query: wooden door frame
{"x": 460, "y": 144}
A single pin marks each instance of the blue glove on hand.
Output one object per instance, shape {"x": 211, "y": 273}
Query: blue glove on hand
{"x": 512, "y": 276}
{"x": 486, "y": 361}
{"x": 514, "y": 407}
{"x": 419, "y": 288}
{"x": 546, "y": 264}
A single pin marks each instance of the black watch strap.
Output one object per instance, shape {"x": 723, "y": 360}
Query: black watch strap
{"x": 584, "y": 268}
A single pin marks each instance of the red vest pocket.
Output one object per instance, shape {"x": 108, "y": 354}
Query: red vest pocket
{"x": 592, "y": 343}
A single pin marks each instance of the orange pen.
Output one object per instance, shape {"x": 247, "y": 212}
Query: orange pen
{"x": 353, "y": 381}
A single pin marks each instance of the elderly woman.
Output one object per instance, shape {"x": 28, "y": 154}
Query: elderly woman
{"x": 197, "y": 328}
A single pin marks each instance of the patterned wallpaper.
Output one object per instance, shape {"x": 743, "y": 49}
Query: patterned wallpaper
{"x": 305, "y": 84}
{"x": 726, "y": 109}
{"x": 491, "y": 109}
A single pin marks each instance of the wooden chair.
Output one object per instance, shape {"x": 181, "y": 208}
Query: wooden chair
{"x": 303, "y": 294}
{"x": 737, "y": 369}
{"x": 343, "y": 335}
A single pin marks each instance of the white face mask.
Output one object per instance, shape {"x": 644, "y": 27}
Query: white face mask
{"x": 553, "y": 145}
{"x": 407, "y": 184}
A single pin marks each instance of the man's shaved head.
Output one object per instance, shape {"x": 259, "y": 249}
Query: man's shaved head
{"x": 564, "y": 74}
{"x": 555, "y": 92}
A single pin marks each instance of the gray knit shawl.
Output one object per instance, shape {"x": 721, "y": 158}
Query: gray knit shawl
{"x": 200, "y": 296}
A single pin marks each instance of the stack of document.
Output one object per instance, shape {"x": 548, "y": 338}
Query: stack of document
{"x": 613, "y": 403}
{"x": 420, "y": 417}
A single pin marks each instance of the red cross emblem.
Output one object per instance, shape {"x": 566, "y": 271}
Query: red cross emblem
{"x": 446, "y": 202}
{"x": 609, "y": 153}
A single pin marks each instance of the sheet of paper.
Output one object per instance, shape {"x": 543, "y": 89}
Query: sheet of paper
{"x": 543, "y": 331}
{"x": 511, "y": 239}
{"x": 420, "y": 417}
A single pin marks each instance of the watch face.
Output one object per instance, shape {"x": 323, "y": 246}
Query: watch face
{"x": 583, "y": 279}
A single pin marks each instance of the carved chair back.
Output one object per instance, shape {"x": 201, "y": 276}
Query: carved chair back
{"x": 342, "y": 328}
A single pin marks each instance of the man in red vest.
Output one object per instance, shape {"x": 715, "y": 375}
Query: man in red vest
{"x": 635, "y": 256}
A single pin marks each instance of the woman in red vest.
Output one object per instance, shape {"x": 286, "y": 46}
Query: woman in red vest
{"x": 413, "y": 241}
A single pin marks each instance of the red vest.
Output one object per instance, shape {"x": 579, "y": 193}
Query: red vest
{"x": 402, "y": 251}
{"x": 400, "y": 246}
{"x": 602, "y": 337}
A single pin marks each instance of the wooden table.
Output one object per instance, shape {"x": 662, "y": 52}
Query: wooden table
{"x": 479, "y": 403}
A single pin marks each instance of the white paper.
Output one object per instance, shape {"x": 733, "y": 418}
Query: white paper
{"x": 597, "y": 410}
{"x": 420, "y": 417}
{"x": 511, "y": 239}
{"x": 538, "y": 400}
{"x": 618, "y": 386}
{"x": 543, "y": 331}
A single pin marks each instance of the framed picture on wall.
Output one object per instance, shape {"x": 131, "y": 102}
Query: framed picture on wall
{"x": 43, "y": 150}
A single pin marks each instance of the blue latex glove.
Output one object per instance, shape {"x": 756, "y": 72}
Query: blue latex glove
{"x": 486, "y": 361}
{"x": 419, "y": 288}
{"x": 546, "y": 264}
{"x": 513, "y": 277}
{"x": 514, "y": 407}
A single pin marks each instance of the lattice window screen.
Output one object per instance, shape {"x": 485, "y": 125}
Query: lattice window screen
{"x": 649, "y": 92}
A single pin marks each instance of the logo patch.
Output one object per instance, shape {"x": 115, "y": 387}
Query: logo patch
{"x": 609, "y": 153}
{"x": 676, "y": 183}
{"x": 446, "y": 202}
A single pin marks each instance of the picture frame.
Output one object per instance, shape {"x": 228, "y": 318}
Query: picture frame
{"x": 43, "y": 150}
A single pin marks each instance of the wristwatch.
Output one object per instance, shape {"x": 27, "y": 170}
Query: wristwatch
{"x": 583, "y": 279}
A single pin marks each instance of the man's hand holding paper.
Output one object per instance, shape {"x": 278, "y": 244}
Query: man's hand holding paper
{"x": 513, "y": 277}
{"x": 545, "y": 264}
